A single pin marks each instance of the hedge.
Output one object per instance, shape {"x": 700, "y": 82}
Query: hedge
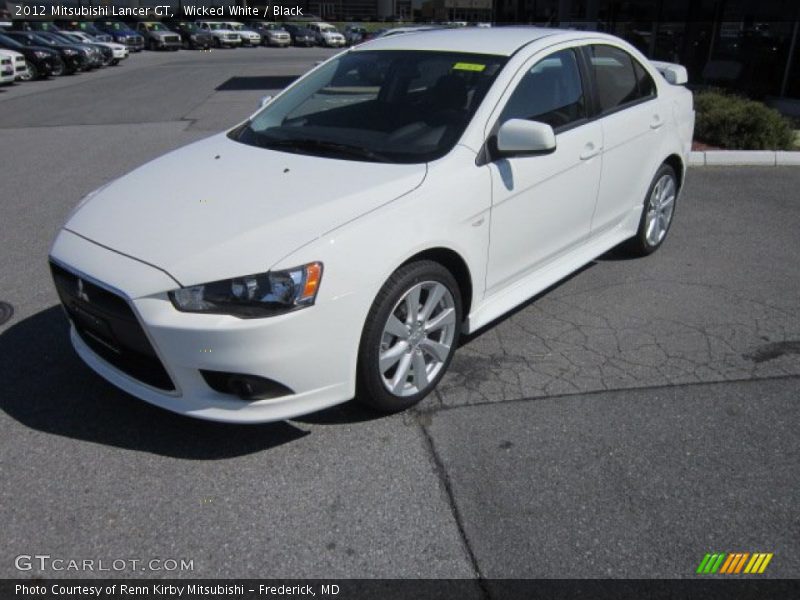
{"x": 736, "y": 123}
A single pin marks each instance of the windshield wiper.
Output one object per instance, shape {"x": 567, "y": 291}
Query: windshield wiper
{"x": 325, "y": 146}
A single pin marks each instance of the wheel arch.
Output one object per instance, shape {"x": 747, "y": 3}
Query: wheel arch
{"x": 676, "y": 162}
{"x": 453, "y": 262}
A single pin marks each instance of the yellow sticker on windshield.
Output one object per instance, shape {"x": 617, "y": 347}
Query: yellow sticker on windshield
{"x": 468, "y": 67}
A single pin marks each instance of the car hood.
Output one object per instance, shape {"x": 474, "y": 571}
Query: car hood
{"x": 218, "y": 208}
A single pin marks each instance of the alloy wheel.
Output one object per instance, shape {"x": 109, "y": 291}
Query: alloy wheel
{"x": 659, "y": 209}
{"x": 417, "y": 338}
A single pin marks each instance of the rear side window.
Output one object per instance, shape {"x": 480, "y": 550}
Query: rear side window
{"x": 550, "y": 92}
{"x": 621, "y": 80}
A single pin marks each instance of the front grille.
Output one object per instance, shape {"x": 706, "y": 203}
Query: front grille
{"x": 106, "y": 323}
{"x": 172, "y": 38}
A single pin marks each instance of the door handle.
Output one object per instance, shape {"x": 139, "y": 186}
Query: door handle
{"x": 590, "y": 151}
{"x": 656, "y": 122}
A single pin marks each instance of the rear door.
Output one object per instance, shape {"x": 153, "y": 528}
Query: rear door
{"x": 632, "y": 118}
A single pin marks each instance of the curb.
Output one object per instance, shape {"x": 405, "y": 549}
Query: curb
{"x": 752, "y": 158}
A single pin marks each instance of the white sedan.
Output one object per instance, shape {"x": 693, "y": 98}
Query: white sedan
{"x": 402, "y": 193}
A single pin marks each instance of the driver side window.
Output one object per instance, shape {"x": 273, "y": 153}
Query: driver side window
{"x": 550, "y": 92}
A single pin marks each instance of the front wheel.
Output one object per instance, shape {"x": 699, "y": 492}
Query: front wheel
{"x": 659, "y": 208}
{"x": 410, "y": 336}
{"x": 32, "y": 73}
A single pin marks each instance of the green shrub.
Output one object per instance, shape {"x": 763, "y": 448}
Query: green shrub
{"x": 736, "y": 123}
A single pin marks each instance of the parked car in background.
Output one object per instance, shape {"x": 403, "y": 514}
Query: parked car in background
{"x": 41, "y": 61}
{"x": 327, "y": 35}
{"x": 272, "y": 34}
{"x": 355, "y": 34}
{"x": 555, "y": 145}
{"x": 411, "y": 29}
{"x": 249, "y": 37}
{"x": 300, "y": 35}
{"x": 158, "y": 36}
{"x": 95, "y": 57}
{"x": 118, "y": 51}
{"x": 223, "y": 37}
{"x": 101, "y": 55}
{"x": 7, "y": 74}
{"x": 122, "y": 34}
{"x": 192, "y": 37}
{"x": 18, "y": 64}
{"x": 86, "y": 27}
{"x": 73, "y": 59}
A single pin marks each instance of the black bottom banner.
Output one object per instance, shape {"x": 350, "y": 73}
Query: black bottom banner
{"x": 389, "y": 589}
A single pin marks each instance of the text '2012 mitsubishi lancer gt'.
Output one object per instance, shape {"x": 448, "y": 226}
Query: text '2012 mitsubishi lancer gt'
{"x": 400, "y": 194}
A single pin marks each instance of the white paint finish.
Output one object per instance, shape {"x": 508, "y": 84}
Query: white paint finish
{"x": 629, "y": 140}
{"x": 520, "y": 224}
{"x": 736, "y": 157}
{"x": 542, "y": 205}
{"x": 233, "y": 204}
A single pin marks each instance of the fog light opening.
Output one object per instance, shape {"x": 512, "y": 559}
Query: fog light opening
{"x": 246, "y": 387}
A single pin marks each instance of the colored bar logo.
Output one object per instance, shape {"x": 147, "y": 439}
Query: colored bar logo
{"x": 734, "y": 563}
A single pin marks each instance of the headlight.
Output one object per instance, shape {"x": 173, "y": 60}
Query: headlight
{"x": 253, "y": 296}
{"x": 70, "y": 52}
{"x": 40, "y": 54}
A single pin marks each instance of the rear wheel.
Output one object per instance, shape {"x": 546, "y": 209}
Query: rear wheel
{"x": 409, "y": 337}
{"x": 657, "y": 214}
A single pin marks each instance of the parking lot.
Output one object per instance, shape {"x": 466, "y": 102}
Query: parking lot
{"x": 626, "y": 422}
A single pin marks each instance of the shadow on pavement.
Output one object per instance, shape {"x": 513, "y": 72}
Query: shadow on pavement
{"x": 48, "y": 388}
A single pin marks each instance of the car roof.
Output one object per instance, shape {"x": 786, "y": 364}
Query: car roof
{"x": 495, "y": 40}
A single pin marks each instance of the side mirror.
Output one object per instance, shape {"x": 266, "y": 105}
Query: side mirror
{"x": 674, "y": 74}
{"x": 520, "y": 137}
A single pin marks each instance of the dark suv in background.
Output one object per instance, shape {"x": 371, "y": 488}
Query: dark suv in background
{"x": 301, "y": 36}
{"x": 191, "y": 35}
{"x": 122, "y": 34}
{"x": 74, "y": 59}
{"x": 42, "y": 61}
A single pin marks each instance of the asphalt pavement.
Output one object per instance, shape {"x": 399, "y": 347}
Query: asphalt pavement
{"x": 629, "y": 420}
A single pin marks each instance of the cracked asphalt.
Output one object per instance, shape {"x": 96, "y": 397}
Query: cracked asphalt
{"x": 632, "y": 418}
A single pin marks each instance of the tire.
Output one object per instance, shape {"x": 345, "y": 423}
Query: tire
{"x": 416, "y": 352}
{"x": 217, "y": 43}
{"x": 115, "y": 62}
{"x": 658, "y": 213}
{"x": 33, "y": 72}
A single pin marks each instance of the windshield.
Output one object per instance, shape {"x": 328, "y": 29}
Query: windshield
{"x": 156, "y": 27}
{"x": 214, "y": 26}
{"x": 388, "y": 106}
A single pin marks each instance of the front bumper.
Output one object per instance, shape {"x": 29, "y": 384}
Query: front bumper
{"x": 168, "y": 44}
{"x": 75, "y": 62}
{"x": 311, "y": 351}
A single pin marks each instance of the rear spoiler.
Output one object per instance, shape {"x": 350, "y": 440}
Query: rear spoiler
{"x": 673, "y": 73}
